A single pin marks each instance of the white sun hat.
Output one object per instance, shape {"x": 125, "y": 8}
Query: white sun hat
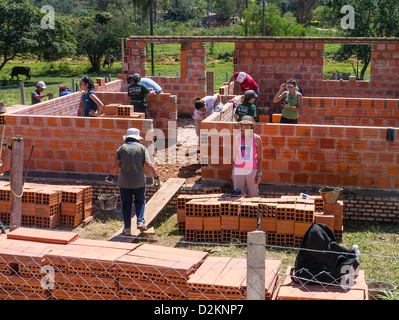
{"x": 41, "y": 84}
{"x": 241, "y": 77}
{"x": 133, "y": 133}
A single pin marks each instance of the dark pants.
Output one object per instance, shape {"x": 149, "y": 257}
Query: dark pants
{"x": 285, "y": 120}
{"x": 127, "y": 202}
{"x": 139, "y": 107}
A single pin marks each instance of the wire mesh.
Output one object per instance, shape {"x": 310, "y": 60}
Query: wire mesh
{"x": 82, "y": 269}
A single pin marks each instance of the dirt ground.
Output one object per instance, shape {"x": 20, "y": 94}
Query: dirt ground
{"x": 180, "y": 159}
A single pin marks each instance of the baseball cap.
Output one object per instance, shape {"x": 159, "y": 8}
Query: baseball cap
{"x": 129, "y": 79}
{"x": 136, "y": 77}
{"x": 63, "y": 87}
{"x": 241, "y": 77}
{"x": 41, "y": 84}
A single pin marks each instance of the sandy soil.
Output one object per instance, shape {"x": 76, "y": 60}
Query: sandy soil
{"x": 180, "y": 159}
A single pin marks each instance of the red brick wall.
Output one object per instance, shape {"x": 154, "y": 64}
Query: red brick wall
{"x": 71, "y": 144}
{"x": 162, "y": 108}
{"x": 191, "y": 82}
{"x": 315, "y": 154}
{"x": 273, "y": 62}
{"x": 375, "y": 112}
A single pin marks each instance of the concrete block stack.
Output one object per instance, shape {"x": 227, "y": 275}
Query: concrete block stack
{"x": 47, "y": 206}
{"x": 223, "y": 218}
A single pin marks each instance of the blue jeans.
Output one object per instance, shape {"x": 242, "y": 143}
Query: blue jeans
{"x": 127, "y": 202}
{"x": 139, "y": 107}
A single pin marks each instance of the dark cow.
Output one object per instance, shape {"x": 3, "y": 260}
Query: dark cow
{"x": 108, "y": 61}
{"x": 16, "y": 71}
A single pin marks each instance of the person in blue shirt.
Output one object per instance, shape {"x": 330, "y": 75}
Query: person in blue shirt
{"x": 64, "y": 91}
{"x": 92, "y": 106}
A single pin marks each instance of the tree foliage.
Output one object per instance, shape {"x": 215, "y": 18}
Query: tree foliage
{"x": 275, "y": 23}
{"x": 372, "y": 18}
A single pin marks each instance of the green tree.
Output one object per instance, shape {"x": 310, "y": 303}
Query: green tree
{"x": 97, "y": 40}
{"x": 18, "y": 19}
{"x": 372, "y": 18}
{"x": 275, "y": 24}
{"x": 55, "y": 43}
{"x": 225, "y": 8}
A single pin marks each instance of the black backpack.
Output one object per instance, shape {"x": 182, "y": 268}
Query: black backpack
{"x": 322, "y": 261}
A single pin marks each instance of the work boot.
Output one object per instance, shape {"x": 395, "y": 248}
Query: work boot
{"x": 141, "y": 226}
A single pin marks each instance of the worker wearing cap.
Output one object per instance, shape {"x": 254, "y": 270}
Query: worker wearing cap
{"x": 138, "y": 92}
{"x": 64, "y": 91}
{"x": 37, "y": 95}
{"x": 151, "y": 84}
{"x": 246, "y": 107}
{"x": 246, "y": 82}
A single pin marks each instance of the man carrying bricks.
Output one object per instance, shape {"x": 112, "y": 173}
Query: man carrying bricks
{"x": 137, "y": 92}
{"x": 247, "y": 157}
{"x": 131, "y": 158}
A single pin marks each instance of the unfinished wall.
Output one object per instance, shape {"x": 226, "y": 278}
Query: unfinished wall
{"x": 313, "y": 154}
{"x": 188, "y": 85}
{"x": 271, "y": 61}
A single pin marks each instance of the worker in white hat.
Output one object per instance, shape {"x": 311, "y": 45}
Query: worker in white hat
{"x": 37, "y": 95}
{"x": 131, "y": 158}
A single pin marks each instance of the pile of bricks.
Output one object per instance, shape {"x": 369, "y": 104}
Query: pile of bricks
{"x": 122, "y": 111}
{"x": 154, "y": 272}
{"x": 47, "y": 206}
{"x": 92, "y": 269}
{"x": 223, "y": 218}
{"x": 225, "y": 278}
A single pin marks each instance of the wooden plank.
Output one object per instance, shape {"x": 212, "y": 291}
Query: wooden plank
{"x": 152, "y": 208}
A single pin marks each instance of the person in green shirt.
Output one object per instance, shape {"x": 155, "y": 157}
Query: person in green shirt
{"x": 291, "y": 100}
{"x": 246, "y": 107}
{"x": 138, "y": 92}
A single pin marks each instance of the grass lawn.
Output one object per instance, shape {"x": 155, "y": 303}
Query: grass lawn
{"x": 53, "y": 74}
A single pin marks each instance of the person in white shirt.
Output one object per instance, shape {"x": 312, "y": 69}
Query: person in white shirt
{"x": 203, "y": 109}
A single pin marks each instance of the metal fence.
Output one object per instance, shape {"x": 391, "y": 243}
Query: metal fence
{"x": 81, "y": 269}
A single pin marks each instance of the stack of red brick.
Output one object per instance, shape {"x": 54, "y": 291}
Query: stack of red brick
{"x": 226, "y": 278}
{"x": 223, "y": 218}
{"x": 122, "y": 111}
{"x": 47, "y": 206}
{"x": 57, "y": 265}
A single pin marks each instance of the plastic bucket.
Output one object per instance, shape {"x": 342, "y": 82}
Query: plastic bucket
{"x": 108, "y": 201}
{"x": 330, "y": 195}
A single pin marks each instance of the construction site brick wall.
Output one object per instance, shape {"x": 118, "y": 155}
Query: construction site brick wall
{"x": 375, "y": 112}
{"x": 309, "y": 154}
{"x": 271, "y": 61}
{"x": 71, "y": 144}
{"x": 162, "y": 108}
{"x": 192, "y": 78}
